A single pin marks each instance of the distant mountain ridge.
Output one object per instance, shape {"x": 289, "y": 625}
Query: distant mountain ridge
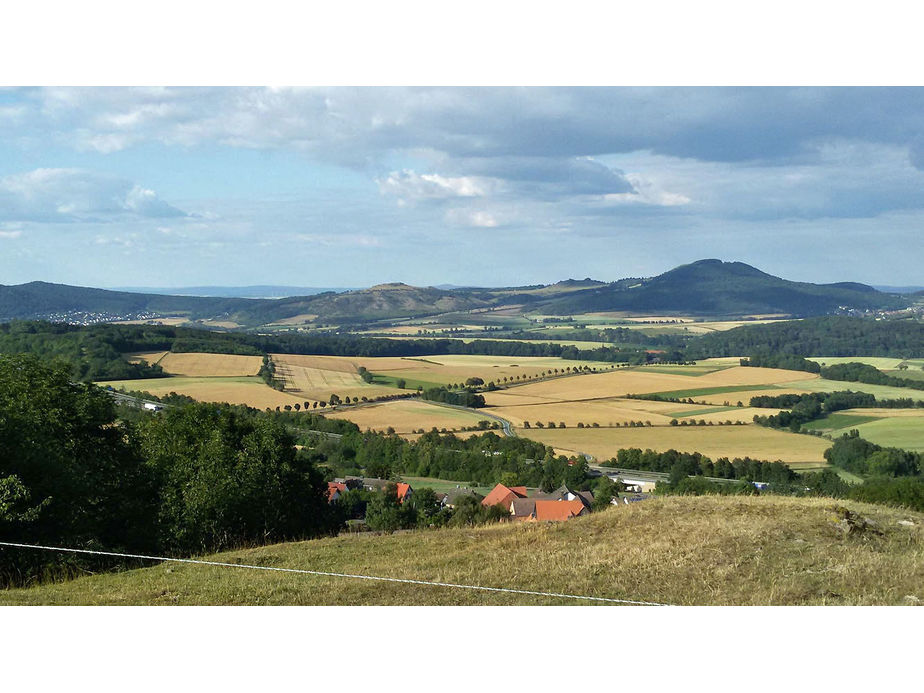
{"x": 255, "y": 291}
{"x": 705, "y": 287}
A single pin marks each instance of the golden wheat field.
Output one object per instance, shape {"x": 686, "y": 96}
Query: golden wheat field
{"x": 603, "y": 412}
{"x": 318, "y": 377}
{"x": 618, "y": 383}
{"x": 314, "y": 371}
{"x": 455, "y": 368}
{"x": 714, "y": 441}
{"x": 407, "y": 416}
{"x": 201, "y": 365}
{"x": 251, "y": 391}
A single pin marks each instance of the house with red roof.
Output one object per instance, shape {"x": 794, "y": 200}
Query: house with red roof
{"x": 504, "y": 496}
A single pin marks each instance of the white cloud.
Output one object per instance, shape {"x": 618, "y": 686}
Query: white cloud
{"x": 647, "y": 192}
{"x": 74, "y": 195}
{"x": 472, "y": 217}
{"x": 409, "y": 186}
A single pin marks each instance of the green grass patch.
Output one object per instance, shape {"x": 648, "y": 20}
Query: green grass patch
{"x": 906, "y": 432}
{"x": 825, "y": 385}
{"x": 685, "y": 394}
{"x": 833, "y": 422}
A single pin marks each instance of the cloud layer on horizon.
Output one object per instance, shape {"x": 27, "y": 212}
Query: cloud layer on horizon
{"x": 408, "y": 171}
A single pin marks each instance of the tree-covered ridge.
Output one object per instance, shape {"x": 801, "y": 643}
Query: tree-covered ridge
{"x": 96, "y": 352}
{"x": 705, "y": 287}
{"x": 42, "y": 299}
{"x": 853, "y": 453}
{"x": 864, "y": 373}
{"x": 713, "y": 287}
{"x": 827, "y": 336}
{"x": 91, "y": 354}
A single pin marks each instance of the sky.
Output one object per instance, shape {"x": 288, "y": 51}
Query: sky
{"x": 498, "y": 186}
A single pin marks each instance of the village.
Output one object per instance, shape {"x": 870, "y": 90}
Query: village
{"x": 512, "y": 503}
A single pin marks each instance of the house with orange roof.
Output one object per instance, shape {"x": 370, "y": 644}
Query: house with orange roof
{"x": 504, "y": 496}
{"x": 404, "y": 491}
{"x": 335, "y": 489}
{"x": 533, "y": 510}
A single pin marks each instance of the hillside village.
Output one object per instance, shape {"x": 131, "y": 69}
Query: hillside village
{"x": 512, "y": 503}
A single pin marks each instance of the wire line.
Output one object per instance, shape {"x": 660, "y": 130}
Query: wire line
{"x": 331, "y": 574}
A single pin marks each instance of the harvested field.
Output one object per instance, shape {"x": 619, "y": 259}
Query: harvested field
{"x": 644, "y": 380}
{"x": 603, "y": 412}
{"x": 717, "y": 414}
{"x": 203, "y": 365}
{"x": 318, "y": 377}
{"x": 406, "y": 416}
{"x": 714, "y": 441}
{"x": 733, "y": 396}
{"x": 251, "y": 391}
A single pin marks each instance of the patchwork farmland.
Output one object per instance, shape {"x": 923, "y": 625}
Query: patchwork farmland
{"x": 592, "y": 412}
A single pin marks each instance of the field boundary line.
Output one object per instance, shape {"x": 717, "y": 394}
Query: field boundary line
{"x": 322, "y": 573}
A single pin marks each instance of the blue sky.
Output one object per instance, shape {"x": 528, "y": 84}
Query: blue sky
{"x": 494, "y": 186}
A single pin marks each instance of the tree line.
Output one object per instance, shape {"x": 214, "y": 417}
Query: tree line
{"x": 192, "y": 479}
{"x": 683, "y": 464}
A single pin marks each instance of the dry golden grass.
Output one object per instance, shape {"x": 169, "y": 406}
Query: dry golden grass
{"x": 677, "y": 550}
{"x": 406, "y": 416}
{"x": 713, "y": 441}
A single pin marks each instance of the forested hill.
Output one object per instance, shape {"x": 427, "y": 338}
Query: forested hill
{"x": 706, "y": 287}
{"x": 713, "y": 287}
{"x": 42, "y": 299}
{"x": 822, "y": 336}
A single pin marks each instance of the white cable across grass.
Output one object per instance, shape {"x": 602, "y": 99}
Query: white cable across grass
{"x": 329, "y": 574}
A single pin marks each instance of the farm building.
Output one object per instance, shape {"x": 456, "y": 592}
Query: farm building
{"x": 504, "y": 495}
{"x": 533, "y": 510}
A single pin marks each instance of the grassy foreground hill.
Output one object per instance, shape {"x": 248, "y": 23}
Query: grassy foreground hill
{"x": 676, "y": 550}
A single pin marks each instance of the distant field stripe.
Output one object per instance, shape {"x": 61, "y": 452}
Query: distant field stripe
{"x": 698, "y": 412}
{"x": 836, "y": 421}
{"x": 680, "y": 394}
